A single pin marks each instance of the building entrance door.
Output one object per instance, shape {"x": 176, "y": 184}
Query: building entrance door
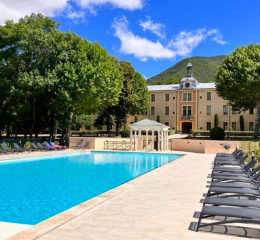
{"x": 186, "y": 127}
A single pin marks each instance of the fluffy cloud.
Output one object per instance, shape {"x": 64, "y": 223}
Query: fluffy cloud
{"x": 13, "y": 9}
{"x": 124, "y": 4}
{"x": 142, "y": 48}
{"x": 16, "y": 9}
{"x": 218, "y": 38}
{"x": 156, "y": 28}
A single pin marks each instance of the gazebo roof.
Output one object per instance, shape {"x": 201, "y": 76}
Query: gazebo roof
{"x": 147, "y": 124}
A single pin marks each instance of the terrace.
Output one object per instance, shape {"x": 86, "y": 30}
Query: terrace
{"x": 157, "y": 205}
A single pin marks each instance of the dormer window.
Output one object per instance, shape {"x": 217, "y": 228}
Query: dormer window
{"x": 187, "y": 85}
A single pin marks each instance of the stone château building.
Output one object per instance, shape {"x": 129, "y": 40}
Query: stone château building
{"x": 191, "y": 105}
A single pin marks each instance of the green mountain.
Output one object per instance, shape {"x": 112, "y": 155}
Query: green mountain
{"x": 204, "y": 70}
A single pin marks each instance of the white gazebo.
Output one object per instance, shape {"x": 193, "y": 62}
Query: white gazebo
{"x": 149, "y": 125}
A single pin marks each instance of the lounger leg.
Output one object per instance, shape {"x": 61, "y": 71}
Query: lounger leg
{"x": 197, "y": 228}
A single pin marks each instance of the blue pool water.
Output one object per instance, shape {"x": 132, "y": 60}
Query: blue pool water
{"x": 32, "y": 191}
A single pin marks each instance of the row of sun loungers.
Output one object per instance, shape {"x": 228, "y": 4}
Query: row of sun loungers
{"x": 79, "y": 146}
{"x": 234, "y": 191}
{"x": 17, "y": 149}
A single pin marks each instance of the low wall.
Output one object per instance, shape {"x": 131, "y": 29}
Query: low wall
{"x": 203, "y": 146}
{"x": 96, "y": 143}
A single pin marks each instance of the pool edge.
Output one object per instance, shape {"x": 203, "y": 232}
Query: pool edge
{"x": 52, "y": 223}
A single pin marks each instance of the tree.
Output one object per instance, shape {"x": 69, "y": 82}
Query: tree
{"x": 133, "y": 99}
{"x": 238, "y": 80}
{"x": 241, "y": 122}
{"x": 48, "y": 76}
{"x": 216, "y": 121}
{"x": 158, "y": 119}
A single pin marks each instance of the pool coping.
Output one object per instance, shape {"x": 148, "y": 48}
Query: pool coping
{"x": 44, "y": 227}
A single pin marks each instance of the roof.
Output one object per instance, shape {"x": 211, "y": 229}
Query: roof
{"x": 148, "y": 124}
{"x": 173, "y": 87}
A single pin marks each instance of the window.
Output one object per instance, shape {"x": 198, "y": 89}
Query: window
{"x": 152, "y": 110}
{"x": 184, "y": 110}
{"x": 225, "y": 110}
{"x": 131, "y": 122}
{"x": 189, "y": 110}
{"x": 234, "y": 112}
{"x": 208, "y": 110}
{"x": 166, "y": 123}
{"x": 208, "y": 96}
{"x": 189, "y": 97}
{"x": 251, "y": 126}
{"x": 234, "y": 126}
{"x": 251, "y": 111}
{"x": 184, "y": 97}
{"x": 152, "y": 97}
{"x": 166, "y": 97}
{"x": 187, "y": 85}
{"x": 208, "y": 125}
{"x": 225, "y": 124}
{"x": 166, "y": 110}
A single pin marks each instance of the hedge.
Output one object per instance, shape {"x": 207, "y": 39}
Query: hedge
{"x": 23, "y": 141}
{"x": 88, "y": 132}
{"x": 228, "y": 133}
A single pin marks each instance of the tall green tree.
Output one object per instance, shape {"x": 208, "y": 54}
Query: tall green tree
{"x": 216, "y": 120}
{"x": 241, "y": 122}
{"x": 133, "y": 99}
{"x": 238, "y": 80}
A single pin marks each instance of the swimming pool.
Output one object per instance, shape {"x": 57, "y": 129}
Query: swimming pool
{"x": 32, "y": 191}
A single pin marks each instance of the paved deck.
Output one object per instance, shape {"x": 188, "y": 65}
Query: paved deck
{"x": 158, "y": 206}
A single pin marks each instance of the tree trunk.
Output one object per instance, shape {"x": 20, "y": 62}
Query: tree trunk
{"x": 108, "y": 127}
{"x": 67, "y": 130}
{"x": 7, "y": 131}
{"x": 33, "y": 113}
{"x": 15, "y": 129}
{"x": 256, "y": 132}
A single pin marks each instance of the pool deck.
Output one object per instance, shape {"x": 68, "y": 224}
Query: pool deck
{"x": 157, "y": 205}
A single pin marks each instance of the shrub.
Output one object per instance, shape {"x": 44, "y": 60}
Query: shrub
{"x": 125, "y": 133}
{"x": 217, "y": 133}
{"x": 8, "y": 145}
{"x": 136, "y": 119}
{"x": 216, "y": 121}
{"x": 28, "y": 145}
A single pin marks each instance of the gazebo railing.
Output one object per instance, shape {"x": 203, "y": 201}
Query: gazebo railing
{"x": 116, "y": 145}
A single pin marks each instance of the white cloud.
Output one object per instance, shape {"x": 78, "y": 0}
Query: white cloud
{"x": 185, "y": 42}
{"x": 142, "y": 48}
{"x": 16, "y": 9}
{"x": 124, "y": 4}
{"x": 156, "y": 28}
{"x": 218, "y": 38}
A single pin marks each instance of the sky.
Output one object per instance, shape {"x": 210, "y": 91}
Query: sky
{"x": 153, "y": 35}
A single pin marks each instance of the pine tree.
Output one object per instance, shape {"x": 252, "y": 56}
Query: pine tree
{"x": 216, "y": 121}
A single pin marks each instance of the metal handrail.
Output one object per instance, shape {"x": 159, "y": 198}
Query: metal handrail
{"x": 116, "y": 145}
{"x": 187, "y": 117}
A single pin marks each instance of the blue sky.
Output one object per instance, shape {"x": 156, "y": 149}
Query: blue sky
{"x": 151, "y": 34}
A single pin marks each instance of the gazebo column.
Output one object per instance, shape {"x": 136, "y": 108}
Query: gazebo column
{"x": 152, "y": 140}
{"x": 165, "y": 140}
{"x": 135, "y": 139}
{"x": 139, "y": 140}
{"x": 167, "y": 144}
{"x": 131, "y": 139}
{"x": 147, "y": 140}
{"x": 158, "y": 140}
{"x": 162, "y": 139}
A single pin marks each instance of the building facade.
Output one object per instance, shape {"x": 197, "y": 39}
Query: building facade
{"x": 191, "y": 106}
